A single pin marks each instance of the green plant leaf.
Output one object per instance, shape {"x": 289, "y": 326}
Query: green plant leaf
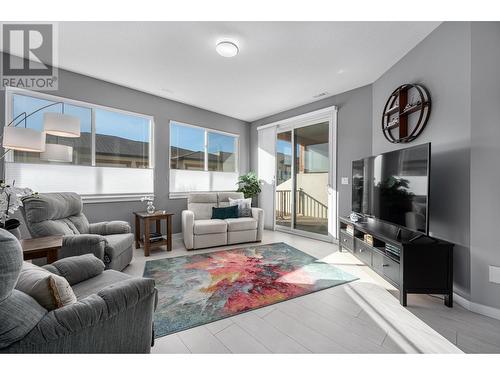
{"x": 249, "y": 184}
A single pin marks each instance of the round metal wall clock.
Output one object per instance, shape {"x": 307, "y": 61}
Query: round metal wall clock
{"x": 406, "y": 113}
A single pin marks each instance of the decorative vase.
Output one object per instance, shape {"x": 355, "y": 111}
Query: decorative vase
{"x": 150, "y": 208}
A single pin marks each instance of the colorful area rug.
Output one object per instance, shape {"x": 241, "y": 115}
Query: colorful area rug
{"x": 203, "y": 288}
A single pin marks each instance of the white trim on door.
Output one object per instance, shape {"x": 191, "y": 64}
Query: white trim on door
{"x": 310, "y": 116}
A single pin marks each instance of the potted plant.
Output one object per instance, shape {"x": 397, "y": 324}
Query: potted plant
{"x": 250, "y": 186}
{"x": 10, "y": 201}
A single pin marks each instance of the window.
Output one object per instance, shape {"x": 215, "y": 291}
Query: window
{"x": 201, "y": 159}
{"x": 187, "y": 147}
{"x": 200, "y": 149}
{"x": 221, "y": 152}
{"x": 112, "y": 156}
{"x": 121, "y": 140}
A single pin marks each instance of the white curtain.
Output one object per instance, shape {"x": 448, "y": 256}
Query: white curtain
{"x": 185, "y": 181}
{"x": 266, "y": 172}
{"x": 84, "y": 180}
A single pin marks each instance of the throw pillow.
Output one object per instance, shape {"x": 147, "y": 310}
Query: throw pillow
{"x": 49, "y": 290}
{"x": 244, "y": 206}
{"x": 225, "y": 212}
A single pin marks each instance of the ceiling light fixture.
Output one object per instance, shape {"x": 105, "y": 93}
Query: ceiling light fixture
{"x": 227, "y": 49}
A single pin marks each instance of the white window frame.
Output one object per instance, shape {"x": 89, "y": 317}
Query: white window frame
{"x": 90, "y": 198}
{"x": 206, "y": 130}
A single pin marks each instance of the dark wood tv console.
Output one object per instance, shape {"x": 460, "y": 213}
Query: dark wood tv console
{"x": 412, "y": 262}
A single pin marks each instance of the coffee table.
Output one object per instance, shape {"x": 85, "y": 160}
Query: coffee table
{"x": 147, "y": 218}
{"x": 41, "y": 247}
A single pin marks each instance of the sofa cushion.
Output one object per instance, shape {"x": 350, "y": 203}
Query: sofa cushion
{"x": 223, "y": 197}
{"x": 241, "y": 223}
{"x": 210, "y": 226}
{"x": 202, "y": 198}
{"x": 202, "y": 241}
{"x": 78, "y": 268}
{"x": 241, "y": 236}
{"x": 51, "y": 206}
{"x": 80, "y": 222}
{"x": 201, "y": 211}
{"x": 97, "y": 283}
{"x": 49, "y": 290}
{"x": 224, "y": 212}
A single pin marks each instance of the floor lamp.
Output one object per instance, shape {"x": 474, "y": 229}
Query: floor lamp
{"x": 31, "y": 140}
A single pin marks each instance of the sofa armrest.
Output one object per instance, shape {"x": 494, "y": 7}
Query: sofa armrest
{"x": 123, "y": 294}
{"x": 78, "y": 268}
{"x": 258, "y": 214}
{"x": 188, "y": 228}
{"x": 106, "y": 228}
{"x": 80, "y": 244}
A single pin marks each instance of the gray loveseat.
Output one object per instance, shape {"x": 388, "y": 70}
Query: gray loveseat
{"x": 199, "y": 230}
{"x": 113, "y": 312}
{"x": 61, "y": 214}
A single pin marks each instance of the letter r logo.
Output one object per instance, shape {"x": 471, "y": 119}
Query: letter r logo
{"x": 32, "y": 43}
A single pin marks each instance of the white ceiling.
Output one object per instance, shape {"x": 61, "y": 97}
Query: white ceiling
{"x": 281, "y": 65}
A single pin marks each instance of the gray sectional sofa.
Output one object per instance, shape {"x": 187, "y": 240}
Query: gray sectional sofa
{"x": 200, "y": 231}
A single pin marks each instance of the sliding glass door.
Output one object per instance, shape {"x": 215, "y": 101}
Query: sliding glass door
{"x": 284, "y": 181}
{"x": 302, "y": 192}
{"x": 311, "y": 178}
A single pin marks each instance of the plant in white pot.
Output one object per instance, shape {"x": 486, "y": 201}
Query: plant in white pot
{"x": 10, "y": 201}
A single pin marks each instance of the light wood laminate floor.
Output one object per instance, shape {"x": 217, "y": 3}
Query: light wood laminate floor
{"x": 363, "y": 316}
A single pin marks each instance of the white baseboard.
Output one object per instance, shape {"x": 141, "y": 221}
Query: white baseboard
{"x": 492, "y": 312}
{"x": 465, "y": 303}
{"x": 177, "y": 236}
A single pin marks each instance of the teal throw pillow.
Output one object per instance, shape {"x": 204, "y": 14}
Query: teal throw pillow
{"x": 225, "y": 212}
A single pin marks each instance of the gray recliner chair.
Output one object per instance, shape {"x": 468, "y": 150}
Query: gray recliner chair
{"x": 113, "y": 312}
{"x": 61, "y": 214}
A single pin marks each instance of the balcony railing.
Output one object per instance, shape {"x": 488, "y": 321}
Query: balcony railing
{"x": 306, "y": 205}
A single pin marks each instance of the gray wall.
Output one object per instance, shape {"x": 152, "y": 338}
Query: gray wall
{"x": 459, "y": 64}
{"x": 485, "y": 161}
{"x": 354, "y": 135}
{"x": 84, "y": 88}
{"x": 442, "y": 63}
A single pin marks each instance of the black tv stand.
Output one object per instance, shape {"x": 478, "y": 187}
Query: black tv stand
{"x": 413, "y": 262}
{"x": 398, "y": 235}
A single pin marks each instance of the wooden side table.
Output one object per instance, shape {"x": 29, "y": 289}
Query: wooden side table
{"x": 41, "y": 247}
{"x": 147, "y": 218}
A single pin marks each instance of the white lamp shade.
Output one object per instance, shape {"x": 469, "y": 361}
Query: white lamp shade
{"x": 61, "y": 125}
{"x": 23, "y": 139}
{"x": 56, "y": 152}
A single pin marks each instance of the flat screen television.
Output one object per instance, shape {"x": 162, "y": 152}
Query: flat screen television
{"x": 394, "y": 187}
